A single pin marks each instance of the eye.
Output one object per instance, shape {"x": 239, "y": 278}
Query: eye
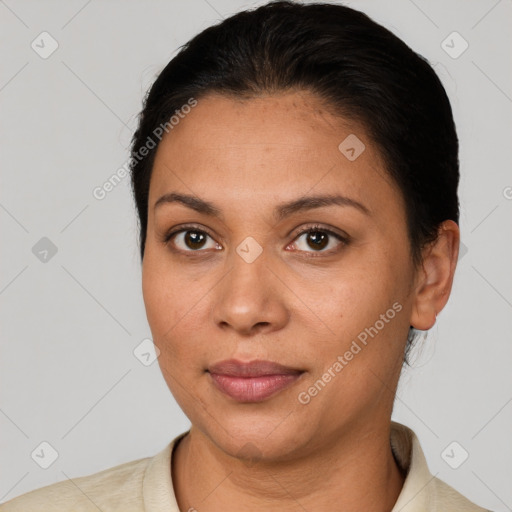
{"x": 191, "y": 239}
{"x": 314, "y": 239}
{"x": 318, "y": 239}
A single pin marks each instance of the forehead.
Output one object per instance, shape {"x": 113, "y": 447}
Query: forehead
{"x": 296, "y": 121}
{"x": 278, "y": 145}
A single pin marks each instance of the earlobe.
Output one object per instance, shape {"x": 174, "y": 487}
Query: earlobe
{"x": 435, "y": 276}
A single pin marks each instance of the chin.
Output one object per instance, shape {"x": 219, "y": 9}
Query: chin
{"x": 257, "y": 437}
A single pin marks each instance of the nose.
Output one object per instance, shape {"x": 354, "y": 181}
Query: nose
{"x": 250, "y": 299}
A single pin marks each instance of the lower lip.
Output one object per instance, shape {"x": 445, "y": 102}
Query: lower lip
{"x": 253, "y": 389}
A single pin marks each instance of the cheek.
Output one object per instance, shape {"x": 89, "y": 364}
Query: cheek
{"x": 157, "y": 292}
{"x": 357, "y": 296}
{"x": 364, "y": 304}
{"x": 163, "y": 298}
{"x": 174, "y": 309}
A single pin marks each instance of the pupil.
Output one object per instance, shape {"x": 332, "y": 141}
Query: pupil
{"x": 194, "y": 239}
{"x": 318, "y": 238}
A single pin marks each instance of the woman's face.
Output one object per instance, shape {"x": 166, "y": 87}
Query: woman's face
{"x": 240, "y": 282}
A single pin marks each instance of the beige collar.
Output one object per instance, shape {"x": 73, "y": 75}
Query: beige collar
{"x": 419, "y": 492}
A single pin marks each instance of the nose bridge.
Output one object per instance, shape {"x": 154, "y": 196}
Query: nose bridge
{"x": 248, "y": 296}
{"x": 246, "y": 288}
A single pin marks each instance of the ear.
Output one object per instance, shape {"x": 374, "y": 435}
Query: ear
{"x": 434, "y": 277}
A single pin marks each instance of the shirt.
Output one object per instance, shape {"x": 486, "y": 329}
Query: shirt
{"x": 145, "y": 485}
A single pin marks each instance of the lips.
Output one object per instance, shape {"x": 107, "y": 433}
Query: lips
{"x": 254, "y": 381}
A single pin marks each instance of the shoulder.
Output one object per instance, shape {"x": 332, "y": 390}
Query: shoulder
{"x": 120, "y": 485}
{"x": 423, "y": 491}
{"x": 453, "y": 501}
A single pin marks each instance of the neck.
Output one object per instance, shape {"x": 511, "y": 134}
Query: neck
{"x": 356, "y": 471}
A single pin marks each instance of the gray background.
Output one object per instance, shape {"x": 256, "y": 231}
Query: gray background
{"x": 70, "y": 324}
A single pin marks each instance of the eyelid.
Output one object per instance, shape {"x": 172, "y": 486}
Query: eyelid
{"x": 185, "y": 227}
{"x": 319, "y": 227}
{"x": 344, "y": 240}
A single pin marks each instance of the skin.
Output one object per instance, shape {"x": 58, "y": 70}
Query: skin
{"x": 295, "y": 304}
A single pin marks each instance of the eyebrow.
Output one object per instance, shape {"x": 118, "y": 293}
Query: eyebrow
{"x": 280, "y": 212}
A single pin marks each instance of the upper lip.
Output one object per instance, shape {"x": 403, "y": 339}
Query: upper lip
{"x": 256, "y": 368}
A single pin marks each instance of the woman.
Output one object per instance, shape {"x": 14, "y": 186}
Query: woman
{"x": 295, "y": 171}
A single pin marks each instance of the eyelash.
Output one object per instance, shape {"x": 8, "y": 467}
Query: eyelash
{"x": 345, "y": 240}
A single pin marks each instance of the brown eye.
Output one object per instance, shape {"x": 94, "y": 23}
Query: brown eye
{"x": 194, "y": 239}
{"x": 317, "y": 239}
{"x": 191, "y": 240}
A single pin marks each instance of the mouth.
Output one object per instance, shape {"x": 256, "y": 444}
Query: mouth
{"x": 253, "y": 381}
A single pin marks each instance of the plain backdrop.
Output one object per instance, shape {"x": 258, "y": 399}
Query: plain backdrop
{"x": 72, "y": 313}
